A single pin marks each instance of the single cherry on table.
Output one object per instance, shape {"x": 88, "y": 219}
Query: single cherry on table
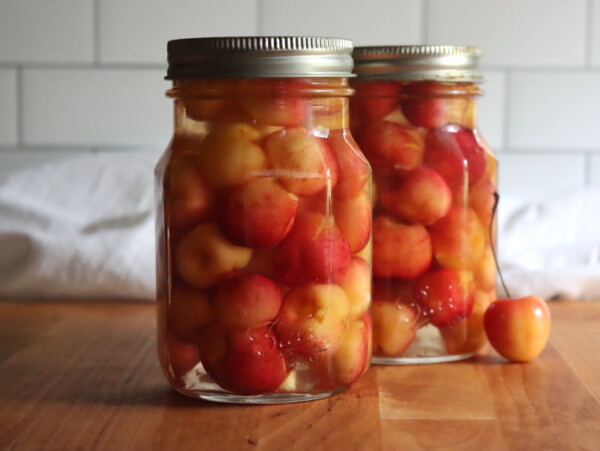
{"x": 518, "y": 329}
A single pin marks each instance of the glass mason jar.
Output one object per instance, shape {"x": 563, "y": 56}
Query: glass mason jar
{"x": 414, "y": 116}
{"x": 263, "y": 223}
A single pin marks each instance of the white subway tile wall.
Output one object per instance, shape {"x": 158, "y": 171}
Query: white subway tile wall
{"x": 539, "y": 177}
{"x": 95, "y": 107}
{"x": 595, "y": 33}
{"x": 520, "y": 33}
{"x": 554, "y": 111}
{"x": 375, "y": 22}
{"x": 14, "y": 160}
{"x": 8, "y": 107}
{"x": 595, "y": 170}
{"x": 42, "y": 31}
{"x": 137, "y": 31}
{"x": 84, "y": 75}
{"x": 491, "y": 108}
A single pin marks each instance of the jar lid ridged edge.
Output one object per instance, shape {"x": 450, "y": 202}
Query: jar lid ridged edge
{"x": 262, "y": 44}
{"x": 452, "y": 63}
{"x": 417, "y": 50}
{"x": 259, "y": 57}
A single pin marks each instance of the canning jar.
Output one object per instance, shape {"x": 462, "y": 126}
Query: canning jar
{"x": 263, "y": 222}
{"x": 414, "y": 116}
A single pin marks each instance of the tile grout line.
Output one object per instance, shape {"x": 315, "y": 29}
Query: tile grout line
{"x": 161, "y": 66}
{"x": 571, "y": 69}
{"x": 587, "y": 169}
{"x": 96, "y": 32}
{"x": 589, "y": 24}
{"x": 259, "y": 17}
{"x": 45, "y": 148}
{"x": 424, "y": 21}
{"x": 564, "y": 151}
{"x": 84, "y": 66}
{"x": 533, "y": 151}
{"x": 20, "y": 106}
{"x": 506, "y": 115}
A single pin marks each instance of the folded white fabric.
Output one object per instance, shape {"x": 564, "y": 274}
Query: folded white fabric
{"x": 551, "y": 248}
{"x": 80, "y": 228}
{"x": 84, "y": 228}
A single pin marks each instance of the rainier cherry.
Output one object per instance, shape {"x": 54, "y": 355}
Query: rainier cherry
{"x": 518, "y": 329}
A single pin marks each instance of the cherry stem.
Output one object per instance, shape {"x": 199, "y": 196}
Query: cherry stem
{"x": 494, "y": 210}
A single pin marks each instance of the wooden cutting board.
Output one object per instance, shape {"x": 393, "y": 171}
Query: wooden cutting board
{"x": 84, "y": 376}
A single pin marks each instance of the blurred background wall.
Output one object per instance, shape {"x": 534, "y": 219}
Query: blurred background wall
{"x": 87, "y": 75}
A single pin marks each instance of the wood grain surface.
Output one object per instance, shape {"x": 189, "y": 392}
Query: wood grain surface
{"x": 84, "y": 376}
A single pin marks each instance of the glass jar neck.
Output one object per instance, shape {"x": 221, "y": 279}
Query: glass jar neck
{"x": 258, "y": 87}
{"x": 403, "y": 88}
{"x": 320, "y": 104}
{"x": 450, "y": 102}
{"x": 440, "y": 89}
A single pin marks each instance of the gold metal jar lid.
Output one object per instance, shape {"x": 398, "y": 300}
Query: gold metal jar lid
{"x": 418, "y": 62}
{"x": 259, "y": 57}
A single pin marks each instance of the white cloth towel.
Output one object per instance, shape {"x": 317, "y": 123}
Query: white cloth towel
{"x": 84, "y": 228}
{"x": 80, "y": 228}
{"x": 551, "y": 248}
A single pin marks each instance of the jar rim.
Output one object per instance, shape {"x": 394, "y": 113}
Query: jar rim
{"x": 259, "y": 57}
{"x": 445, "y": 63}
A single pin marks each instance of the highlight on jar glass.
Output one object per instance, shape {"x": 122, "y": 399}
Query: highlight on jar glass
{"x": 414, "y": 116}
{"x": 263, "y": 223}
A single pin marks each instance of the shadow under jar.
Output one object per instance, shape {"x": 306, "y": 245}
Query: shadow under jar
{"x": 414, "y": 116}
{"x": 263, "y": 223}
